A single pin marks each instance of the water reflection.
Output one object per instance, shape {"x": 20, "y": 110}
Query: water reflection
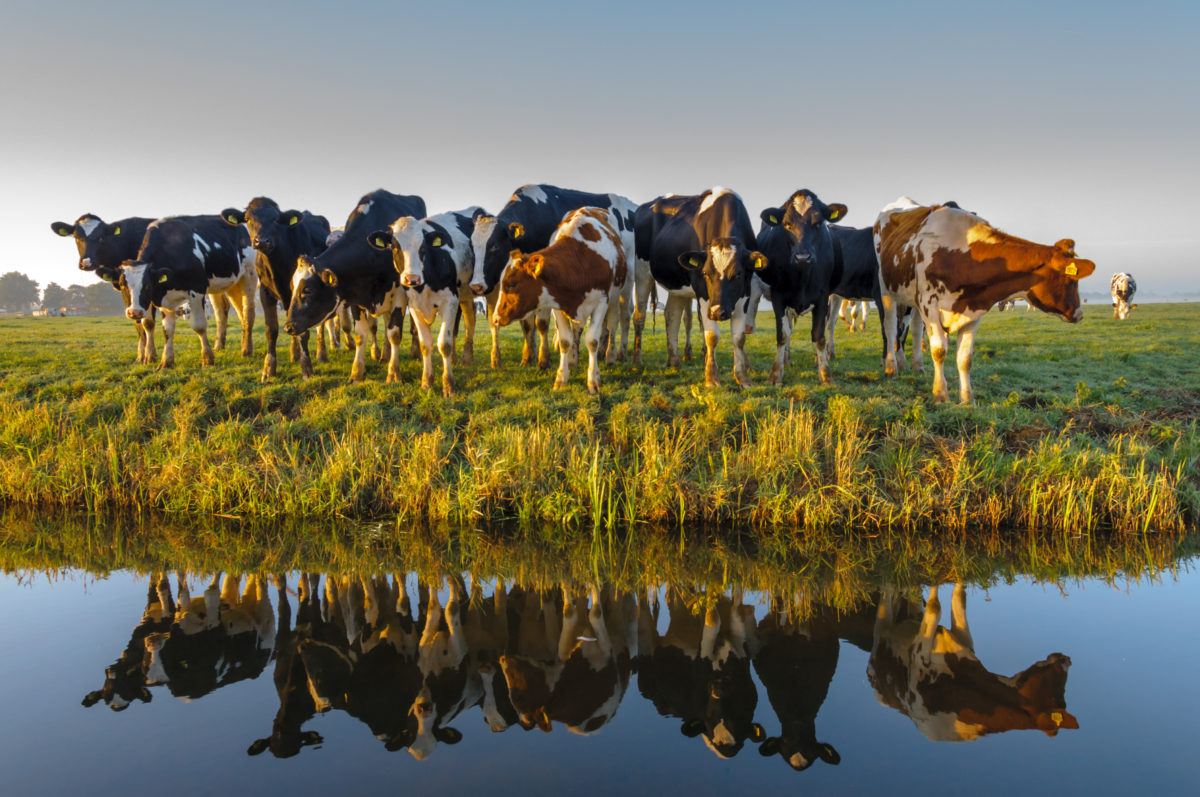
{"x": 413, "y": 658}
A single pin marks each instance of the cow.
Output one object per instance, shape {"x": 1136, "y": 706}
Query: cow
{"x": 446, "y": 690}
{"x": 952, "y": 266}
{"x": 702, "y": 247}
{"x": 363, "y": 277}
{"x": 803, "y": 270}
{"x": 434, "y": 259}
{"x": 932, "y": 676}
{"x": 526, "y": 224}
{"x": 1123, "y": 287}
{"x": 183, "y": 259}
{"x": 795, "y": 662}
{"x": 281, "y": 238}
{"x": 581, "y": 275}
{"x": 853, "y": 313}
{"x": 102, "y": 249}
{"x": 124, "y": 681}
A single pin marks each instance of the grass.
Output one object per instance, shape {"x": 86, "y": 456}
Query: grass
{"x": 1077, "y": 429}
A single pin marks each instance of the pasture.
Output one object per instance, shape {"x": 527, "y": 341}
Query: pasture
{"x": 1075, "y": 429}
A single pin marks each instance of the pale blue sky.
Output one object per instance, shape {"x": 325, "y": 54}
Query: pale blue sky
{"x": 1051, "y": 120}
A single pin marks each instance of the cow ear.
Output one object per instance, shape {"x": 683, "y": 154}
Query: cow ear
{"x": 772, "y": 217}
{"x": 380, "y": 239}
{"x": 1077, "y": 268}
{"x": 291, "y": 218}
{"x": 543, "y": 720}
{"x": 448, "y": 735}
{"x": 62, "y": 228}
{"x": 769, "y": 747}
{"x": 757, "y": 734}
{"x": 1065, "y": 245}
{"x": 258, "y": 746}
{"x": 233, "y": 217}
{"x": 692, "y": 728}
{"x": 759, "y": 260}
{"x": 328, "y": 277}
{"x": 535, "y": 264}
{"x": 835, "y": 211}
{"x": 829, "y": 755}
{"x": 692, "y": 260}
{"x": 516, "y": 231}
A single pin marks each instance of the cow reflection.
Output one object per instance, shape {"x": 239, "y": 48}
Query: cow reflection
{"x": 125, "y": 681}
{"x": 932, "y": 675}
{"x": 699, "y": 670}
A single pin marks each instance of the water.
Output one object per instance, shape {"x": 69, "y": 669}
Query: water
{"x": 661, "y": 707}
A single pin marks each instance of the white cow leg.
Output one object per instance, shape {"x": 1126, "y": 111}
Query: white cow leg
{"x": 889, "y": 331}
{"x": 168, "y": 354}
{"x": 712, "y": 336}
{"x": 566, "y": 342}
{"x": 495, "y": 330}
{"x": 830, "y": 324}
{"x": 958, "y": 616}
{"x": 674, "y": 314}
{"x": 425, "y": 340}
{"x": 933, "y": 615}
{"x": 591, "y": 339}
{"x": 643, "y": 295}
{"x": 687, "y": 330}
{"x": 150, "y": 355}
{"x": 966, "y": 347}
{"x": 359, "y": 369}
{"x": 199, "y": 325}
{"x": 393, "y": 332}
{"x": 141, "y": 333}
{"x": 939, "y": 342}
{"x": 468, "y": 316}
{"x": 917, "y": 355}
{"x": 446, "y": 347}
{"x": 220, "y": 303}
{"x": 737, "y": 330}
{"x": 615, "y": 314}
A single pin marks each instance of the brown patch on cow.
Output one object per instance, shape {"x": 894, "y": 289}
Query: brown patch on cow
{"x": 897, "y": 260}
{"x": 573, "y": 268}
{"x": 589, "y": 233}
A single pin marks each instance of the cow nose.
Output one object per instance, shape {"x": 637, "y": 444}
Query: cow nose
{"x": 410, "y": 280}
{"x": 133, "y": 314}
{"x": 289, "y": 328}
{"x": 264, "y": 244}
{"x": 1077, "y": 316}
{"x": 422, "y": 709}
{"x": 478, "y": 288}
{"x": 86, "y": 263}
{"x": 801, "y": 259}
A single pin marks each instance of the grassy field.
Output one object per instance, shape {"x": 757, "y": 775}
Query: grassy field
{"x": 1076, "y": 429}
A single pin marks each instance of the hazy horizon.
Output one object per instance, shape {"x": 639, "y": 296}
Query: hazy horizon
{"x": 1077, "y": 120}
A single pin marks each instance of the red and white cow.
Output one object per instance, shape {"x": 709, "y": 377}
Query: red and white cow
{"x": 932, "y": 676}
{"x": 581, "y": 275}
{"x": 953, "y": 266}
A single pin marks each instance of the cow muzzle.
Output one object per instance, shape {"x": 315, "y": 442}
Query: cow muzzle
{"x": 264, "y": 245}
{"x": 718, "y": 313}
{"x": 134, "y": 314}
{"x": 86, "y": 264}
{"x": 413, "y": 281}
{"x": 478, "y": 288}
{"x": 801, "y": 259}
{"x": 1076, "y": 316}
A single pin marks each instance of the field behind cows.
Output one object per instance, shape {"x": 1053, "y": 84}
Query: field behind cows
{"x": 1076, "y": 429}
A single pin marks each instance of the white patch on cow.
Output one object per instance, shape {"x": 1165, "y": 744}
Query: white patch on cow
{"x": 216, "y": 245}
{"x": 479, "y": 238}
{"x": 364, "y": 208}
{"x": 134, "y": 274}
{"x": 408, "y": 234}
{"x": 901, "y": 203}
{"x": 201, "y": 249}
{"x": 713, "y": 195}
{"x": 88, "y": 224}
{"x": 334, "y": 236}
{"x": 302, "y": 272}
{"x": 724, "y": 258}
{"x": 802, "y": 203}
{"x": 533, "y": 192}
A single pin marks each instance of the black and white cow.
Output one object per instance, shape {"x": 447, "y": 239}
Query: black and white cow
{"x": 102, "y": 249}
{"x": 858, "y": 282}
{"x": 1123, "y": 288}
{"x": 434, "y": 259}
{"x": 281, "y": 238}
{"x": 526, "y": 225}
{"x": 802, "y": 270}
{"x": 183, "y": 259}
{"x": 702, "y": 247}
{"x": 363, "y": 277}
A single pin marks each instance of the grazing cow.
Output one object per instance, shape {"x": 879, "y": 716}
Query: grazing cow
{"x": 853, "y": 313}
{"x": 933, "y": 677}
{"x": 364, "y": 278}
{"x": 803, "y": 270}
{"x": 434, "y": 259}
{"x": 952, "y": 266}
{"x": 183, "y": 259}
{"x": 581, "y": 275}
{"x": 281, "y": 238}
{"x": 102, "y": 249}
{"x": 795, "y": 662}
{"x": 526, "y": 224}
{"x": 699, "y": 670}
{"x": 702, "y": 247}
{"x": 1123, "y": 288}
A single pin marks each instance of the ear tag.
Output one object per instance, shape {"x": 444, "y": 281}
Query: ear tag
{"x": 295, "y": 220}
{"x": 695, "y": 261}
{"x": 162, "y": 278}
{"x": 437, "y": 241}
{"x": 380, "y": 243}
{"x": 774, "y": 219}
{"x": 232, "y": 220}
{"x": 1071, "y": 270}
{"x": 116, "y": 230}
{"x": 833, "y": 215}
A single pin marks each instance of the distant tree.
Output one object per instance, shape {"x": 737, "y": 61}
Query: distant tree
{"x": 18, "y": 292}
{"x": 55, "y": 297}
{"x": 98, "y": 299}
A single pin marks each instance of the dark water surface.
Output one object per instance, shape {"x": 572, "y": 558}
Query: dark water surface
{"x": 680, "y": 691}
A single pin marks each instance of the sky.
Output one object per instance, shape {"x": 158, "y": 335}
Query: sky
{"x": 1051, "y": 120}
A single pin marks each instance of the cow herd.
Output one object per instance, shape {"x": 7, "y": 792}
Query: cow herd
{"x": 414, "y": 665}
{"x": 591, "y": 263}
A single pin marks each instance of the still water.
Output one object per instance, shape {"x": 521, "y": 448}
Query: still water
{"x": 186, "y": 683}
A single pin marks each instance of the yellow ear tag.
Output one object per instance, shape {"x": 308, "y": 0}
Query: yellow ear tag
{"x": 232, "y": 220}
{"x": 162, "y": 278}
{"x": 774, "y": 220}
{"x": 437, "y": 241}
{"x": 760, "y": 262}
{"x": 1071, "y": 269}
{"x": 833, "y": 215}
{"x": 116, "y": 230}
{"x": 379, "y": 242}
{"x": 1057, "y": 717}
{"x": 695, "y": 261}
{"x": 295, "y": 220}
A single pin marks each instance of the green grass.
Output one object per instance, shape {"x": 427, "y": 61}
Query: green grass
{"x": 1076, "y": 429}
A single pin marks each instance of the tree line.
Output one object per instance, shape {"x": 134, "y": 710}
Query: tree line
{"x": 20, "y": 294}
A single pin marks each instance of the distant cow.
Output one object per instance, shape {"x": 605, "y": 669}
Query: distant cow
{"x": 1123, "y": 288}
{"x": 932, "y": 676}
{"x": 102, "y": 249}
{"x": 363, "y": 277}
{"x": 281, "y": 238}
{"x": 183, "y": 259}
{"x": 581, "y": 275}
{"x": 952, "y": 266}
{"x": 526, "y": 225}
{"x": 853, "y": 313}
{"x": 434, "y": 259}
{"x": 702, "y": 247}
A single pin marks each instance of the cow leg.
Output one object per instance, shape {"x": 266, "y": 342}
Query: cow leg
{"x": 566, "y": 342}
{"x": 712, "y": 336}
{"x": 820, "y": 312}
{"x": 624, "y": 315}
{"x": 939, "y": 342}
{"x": 917, "y": 355}
{"x": 141, "y": 335}
{"x": 243, "y": 307}
{"x": 415, "y": 345}
{"x": 542, "y": 322}
{"x": 301, "y": 343}
{"x": 527, "y": 349}
{"x": 643, "y": 288}
{"x": 373, "y": 330}
{"x": 783, "y": 341}
{"x": 168, "y": 324}
{"x": 966, "y": 347}
{"x": 199, "y": 325}
{"x": 674, "y": 314}
{"x": 271, "y": 322}
{"x": 830, "y": 323}
{"x": 737, "y": 330}
{"x": 466, "y": 312}
{"x": 220, "y": 303}
{"x": 393, "y": 332}
{"x": 493, "y": 327}
{"x": 446, "y": 345}
{"x": 424, "y": 338}
{"x": 687, "y": 330}
{"x": 591, "y": 339}
{"x": 888, "y": 319}
{"x": 932, "y": 617}
{"x": 617, "y": 312}
{"x": 958, "y": 617}
{"x": 323, "y": 331}
{"x": 148, "y": 329}
{"x": 358, "y": 370}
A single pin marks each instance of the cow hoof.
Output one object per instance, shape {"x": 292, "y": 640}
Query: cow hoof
{"x": 447, "y": 390}
{"x": 424, "y": 384}
{"x": 322, "y": 357}
{"x": 495, "y": 362}
{"x": 543, "y": 364}
{"x": 594, "y": 390}
{"x": 207, "y": 359}
{"x": 825, "y": 378}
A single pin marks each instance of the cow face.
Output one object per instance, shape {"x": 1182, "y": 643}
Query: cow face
{"x": 412, "y": 244}
{"x": 1057, "y": 291}
{"x": 520, "y": 287}
{"x": 267, "y": 225}
{"x": 805, "y": 219}
{"x": 98, "y": 244}
{"x": 726, "y": 266}
{"x": 148, "y": 285}
{"x": 313, "y": 297}
{"x": 492, "y": 243}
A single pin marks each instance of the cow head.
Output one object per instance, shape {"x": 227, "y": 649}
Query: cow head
{"x": 99, "y": 244}
{"x": 313, "y": 297}
{"x": 148, "y": 284}
{"x": 430, "y": 728}
{"x": 492, "y": 243}
{"x": 267, "y": 225}
{"x": 799, "y": 751}
{"x": 520, "y": 287}
{"x": 727, "y": 267}
{"x": 805, "y": 220}
{"x": 1057, "y": 290}
{"x": 412, "y": 244}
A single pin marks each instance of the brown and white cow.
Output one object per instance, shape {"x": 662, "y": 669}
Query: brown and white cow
{"x": 932, "y": 676}
{"x": 953, "y": 266}
{"x": 580, "y": 275}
